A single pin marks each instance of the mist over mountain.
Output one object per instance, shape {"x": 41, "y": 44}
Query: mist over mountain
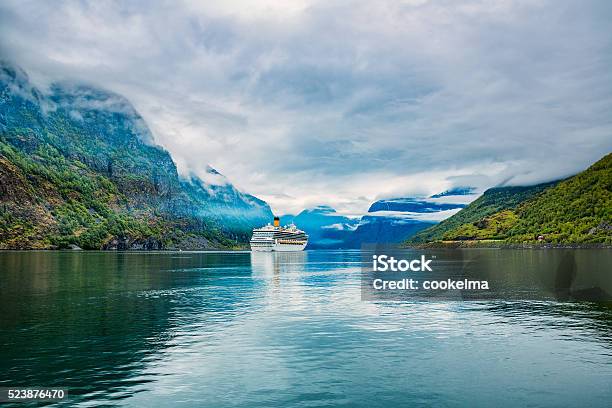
{"x": 78, "y": 167}
{"x": 413, "y": 205}
{"x": 326, "y": 228}
{"x": 456, "y": 191}
{"x": 360, "y": 99}
{"x": 577, "y": 210}
{"x": 395, "y": 220}
{"x": 387, "y": 221}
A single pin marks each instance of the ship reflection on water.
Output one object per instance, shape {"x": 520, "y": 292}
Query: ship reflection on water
{"x": 271, "y": 265}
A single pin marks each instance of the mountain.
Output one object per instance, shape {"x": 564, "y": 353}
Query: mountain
{"x": 493, "y": 200}
{"x": 394, "y": 220}
{"x": 222, "y": 202}
{"x": 387, "y": 229}
{"x": 577, "y": 210}
{"x": 326, "y": 228}
{"x": 387, "y": 221}
{"x": 78, "y": 166}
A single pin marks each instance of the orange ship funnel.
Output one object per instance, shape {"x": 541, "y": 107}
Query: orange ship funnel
{"x": 276, "y": 222}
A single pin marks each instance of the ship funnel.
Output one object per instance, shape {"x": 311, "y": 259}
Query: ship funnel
{"x": 276, "y": 222}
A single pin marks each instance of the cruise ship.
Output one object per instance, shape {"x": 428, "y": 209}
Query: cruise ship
{"x": 277, "y": 238}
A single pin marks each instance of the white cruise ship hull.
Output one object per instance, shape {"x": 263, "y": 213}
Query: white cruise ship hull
{"x": 277, "y": 247}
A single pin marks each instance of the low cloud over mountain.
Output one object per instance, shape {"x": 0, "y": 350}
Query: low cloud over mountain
{"x": 342, "y": 103}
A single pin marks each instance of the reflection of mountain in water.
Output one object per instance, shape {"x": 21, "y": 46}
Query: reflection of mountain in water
{"x": 564, "y": 275}
{"x": 565, "y": 279}
{"x": 205, "y": 326}
{"x": 93, "y": 321}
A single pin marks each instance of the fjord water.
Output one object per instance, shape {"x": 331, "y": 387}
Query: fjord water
{"x": 287, "y": 329}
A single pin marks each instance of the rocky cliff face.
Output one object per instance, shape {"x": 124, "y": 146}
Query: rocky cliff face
{"x": 79, "y": 167}
{"x": 222, "y": 202}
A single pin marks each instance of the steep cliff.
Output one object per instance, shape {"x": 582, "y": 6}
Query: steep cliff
{"x": 78, "y": 166}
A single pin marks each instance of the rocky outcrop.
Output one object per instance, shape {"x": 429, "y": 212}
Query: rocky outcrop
{"x": 127, "y": 243}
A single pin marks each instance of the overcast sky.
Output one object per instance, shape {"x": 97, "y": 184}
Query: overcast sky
{"x": 342, "y": 102}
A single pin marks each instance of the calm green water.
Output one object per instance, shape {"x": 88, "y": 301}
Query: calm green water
{"x": 278, "y": 330}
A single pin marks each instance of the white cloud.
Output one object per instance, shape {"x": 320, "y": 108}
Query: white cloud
{"x": 406, "y": 215}
{"x": 343, "y": 102}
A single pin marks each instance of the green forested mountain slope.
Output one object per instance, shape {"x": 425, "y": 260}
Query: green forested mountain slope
{"x": 577, "y": 210}
{"x": 493, "y": 200}
{"x": 78, "y": 166}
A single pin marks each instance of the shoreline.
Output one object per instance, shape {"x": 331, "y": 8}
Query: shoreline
{"x": 429, "y": 245}
{"x": 504, "y": 245}
{"x": 126, "y": 250}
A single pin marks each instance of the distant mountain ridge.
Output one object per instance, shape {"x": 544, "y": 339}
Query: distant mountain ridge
{"x": 456, "y": 191}
{"x": 577, "y": 210}
{"x": 387, "y": 221}
{"x": 78, "y": 167}
{"x": 392, "y": 221}
{"x": 412, "y": 205}
{"x": 326, "y": 228}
